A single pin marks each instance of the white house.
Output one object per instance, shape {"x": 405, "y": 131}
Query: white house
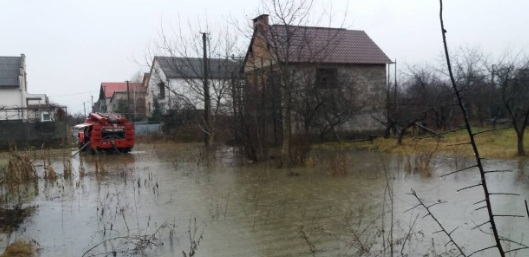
{"x": 177, "y": 83}
{"x": 15, "y": 101}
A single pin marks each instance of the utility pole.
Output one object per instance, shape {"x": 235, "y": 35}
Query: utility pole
{"x": 395, "y": 85}
{"x": 128, "y": 100}
{"x": 92, "y": 101}
{"x": 84, "y": 108}
{"x": 388, "y": 93}
{"x": 207, "y": 129}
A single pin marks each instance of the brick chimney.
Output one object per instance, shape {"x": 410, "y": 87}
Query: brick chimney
{"x": 261, "y": 22}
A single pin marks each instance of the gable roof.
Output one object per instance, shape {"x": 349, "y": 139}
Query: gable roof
{"x": 108, "y": 88}
{"x": 324, "y": 45}
{"x": 301, "y": 44}
{"x": 193, "y": 68}
{"x": 9, "y": 70}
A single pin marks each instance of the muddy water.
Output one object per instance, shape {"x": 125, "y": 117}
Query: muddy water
{"x": 160, "y": 199}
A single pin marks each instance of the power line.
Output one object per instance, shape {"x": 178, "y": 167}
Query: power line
{"x": 80, "y": 93}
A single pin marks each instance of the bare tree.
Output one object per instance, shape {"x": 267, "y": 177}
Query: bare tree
{"x": 323, "y": 104}
{"x": 423, "y": 102}
{"x": 479, "y": 165}
{"x": 513, "y": 80}
{"x": 199, "y": 71}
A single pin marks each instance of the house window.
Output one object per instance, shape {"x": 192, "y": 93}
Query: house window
{"x": 327, "y": 78}
{"x": 161, "y": 86}
{"x": 45, "y": 117}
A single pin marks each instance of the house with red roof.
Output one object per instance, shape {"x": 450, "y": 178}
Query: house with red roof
{"x": 126, "y": 98}
{"x": 329, "y": 79}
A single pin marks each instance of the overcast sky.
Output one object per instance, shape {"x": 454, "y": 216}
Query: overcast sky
{"x": 73, "y": 46}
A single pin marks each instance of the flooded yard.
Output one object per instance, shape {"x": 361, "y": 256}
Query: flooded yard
{"x": 176, "y": 200}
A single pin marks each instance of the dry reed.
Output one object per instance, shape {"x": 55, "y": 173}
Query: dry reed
{"x": 67, "y": 164}
{"x": 20, "y": 170}
{"x": 21, "y": 249}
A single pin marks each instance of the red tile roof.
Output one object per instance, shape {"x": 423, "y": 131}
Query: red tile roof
{"x": 324, "y": 45}
{"x": 110, "y": 87}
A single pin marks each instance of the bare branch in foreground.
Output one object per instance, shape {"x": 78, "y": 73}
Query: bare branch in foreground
{"x": 448, "y": 234}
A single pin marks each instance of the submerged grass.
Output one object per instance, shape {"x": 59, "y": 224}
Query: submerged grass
{"x": 21, "y": 249}
{"x": 11, "y": 218}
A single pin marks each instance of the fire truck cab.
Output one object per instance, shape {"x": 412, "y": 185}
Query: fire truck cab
{"x": 106, "y": 132}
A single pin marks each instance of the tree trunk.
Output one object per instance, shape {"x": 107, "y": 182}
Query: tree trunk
{"x": 287, "y": 127}
{"x": 207, "y": 101}
{"x": 519, "y": 136}
{"x": 400, "y": 136}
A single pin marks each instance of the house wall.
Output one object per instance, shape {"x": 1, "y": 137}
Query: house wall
{"x": 368, "y": 92}
{"x": 189, "y": 88}
{"x": 108, "y": 106}
{"x": 171, "y": 101}
{"x": 371, "y": 80}
{"x": 137, "y": 103}
{"x": 11, "y": 97}
{"x": 367, "y": 84}
{"x": 153, "y": 90}
{"x": 36, "y": 99}
{"x": 114, "y": 101}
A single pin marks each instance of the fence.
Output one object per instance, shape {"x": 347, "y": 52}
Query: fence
{"x": 24, "y": 134}
{"x": 143, "y": 128}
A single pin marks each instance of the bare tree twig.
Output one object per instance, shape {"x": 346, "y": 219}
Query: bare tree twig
{"x": 471, "y": 136}
{"x": 429, "y": 213}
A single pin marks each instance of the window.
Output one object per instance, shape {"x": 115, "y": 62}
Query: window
{"x": 326, "y": 78}
{"x": 45, "y": 117}
{"x": 161, "y": 86}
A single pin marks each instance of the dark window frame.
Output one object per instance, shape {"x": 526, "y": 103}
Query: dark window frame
{"x": 327, "y": 78}
{"x": 161, "y": 88}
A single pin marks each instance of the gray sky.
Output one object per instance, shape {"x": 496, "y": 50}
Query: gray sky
{"x": 73, "y": 46}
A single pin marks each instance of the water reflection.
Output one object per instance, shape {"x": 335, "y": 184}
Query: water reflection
{"x": 169, "y": 191}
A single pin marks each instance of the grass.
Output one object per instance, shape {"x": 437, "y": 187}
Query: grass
{"x": 498, "y": 144}
{"x": 20, "y": 249}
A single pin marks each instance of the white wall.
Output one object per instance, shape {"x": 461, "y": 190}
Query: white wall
{"x": 43, "y": 99}
{"x": 153, "y": 90}
{"x": 17, "y": 98}
{"x": 11, "y": 97}
{"x": 190, "y": 89}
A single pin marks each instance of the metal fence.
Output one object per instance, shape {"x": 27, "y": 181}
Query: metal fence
{"x": 22, "y": 134}
{"x": 143, "y": 128}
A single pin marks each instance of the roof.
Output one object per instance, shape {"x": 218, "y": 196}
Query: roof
{"x": 9, "y": 66}
{"x": 108, "y": 88}
{"x": 189, "y": 67}
{"x": 324, "y": 45}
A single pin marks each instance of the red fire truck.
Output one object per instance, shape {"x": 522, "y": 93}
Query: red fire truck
{"x": 106, "y": 132}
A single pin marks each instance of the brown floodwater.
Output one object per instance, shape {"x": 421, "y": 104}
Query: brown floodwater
{"x": 160, "y": 199}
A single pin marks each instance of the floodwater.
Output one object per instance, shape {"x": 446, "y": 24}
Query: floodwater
{"x": 161, "y": 200}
